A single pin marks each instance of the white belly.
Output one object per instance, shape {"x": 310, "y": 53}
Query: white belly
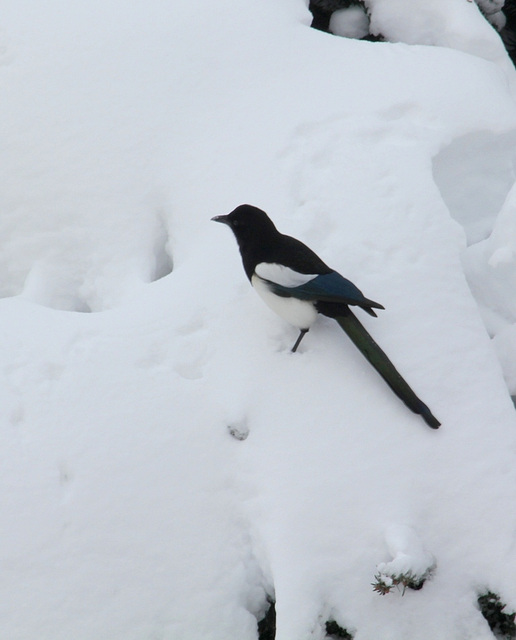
{"x": 300, "y": 313}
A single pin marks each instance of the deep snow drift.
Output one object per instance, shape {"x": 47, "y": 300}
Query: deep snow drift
{"x": 128, "y": 510}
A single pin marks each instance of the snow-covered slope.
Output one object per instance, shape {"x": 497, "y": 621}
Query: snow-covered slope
{"x": 129, "y": 511}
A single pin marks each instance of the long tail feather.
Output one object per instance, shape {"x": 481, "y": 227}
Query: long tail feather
{"x": 370, "y": 349}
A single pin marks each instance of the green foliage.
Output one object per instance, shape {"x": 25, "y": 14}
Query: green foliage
{"x": 267, "y": 626}
{"x": 384, "y": 584}
{"x": 333, "y": 630}
{"x": 500, "y": 622}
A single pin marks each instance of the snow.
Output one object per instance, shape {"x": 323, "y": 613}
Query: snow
{"x": 410, "y": 558}
{"x": 445, "y": 23}
{"x": 168, "y": 463}
{"x": 352, "y": 22}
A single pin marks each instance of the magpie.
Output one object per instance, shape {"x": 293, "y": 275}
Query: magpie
{"x": 295, "y": 283}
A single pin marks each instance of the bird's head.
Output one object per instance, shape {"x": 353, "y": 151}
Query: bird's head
{"x": 248, "y": 223}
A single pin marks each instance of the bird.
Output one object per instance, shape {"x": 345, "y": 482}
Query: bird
{"x": 297, "y": 285}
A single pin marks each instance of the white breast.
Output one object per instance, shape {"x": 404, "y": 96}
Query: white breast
{"x": 300, "y": 313}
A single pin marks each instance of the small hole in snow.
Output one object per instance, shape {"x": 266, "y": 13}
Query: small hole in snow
{"x": 163, "y": 263}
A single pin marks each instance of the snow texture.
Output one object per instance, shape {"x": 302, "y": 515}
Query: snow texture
{"x": 352, "y": 22}
{"x": 457, "y": 24}
{"x": 409, "y": 557}
{"x": 168, "y": 463}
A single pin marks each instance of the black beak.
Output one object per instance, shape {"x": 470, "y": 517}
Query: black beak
{"x": 223, "y": 219}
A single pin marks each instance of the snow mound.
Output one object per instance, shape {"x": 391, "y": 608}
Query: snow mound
{"x": 350, "y": 23}
{"x": 170, "y": 467}
{"x": 444, "y": 23}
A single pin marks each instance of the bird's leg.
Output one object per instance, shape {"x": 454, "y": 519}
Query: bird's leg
{"x": 299, "y": 338}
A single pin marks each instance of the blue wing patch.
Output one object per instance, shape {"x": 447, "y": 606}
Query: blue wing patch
{"x": 329, "y": 287}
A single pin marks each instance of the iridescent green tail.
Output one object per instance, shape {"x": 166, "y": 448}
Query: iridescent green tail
{"x": 365, "y": 343}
